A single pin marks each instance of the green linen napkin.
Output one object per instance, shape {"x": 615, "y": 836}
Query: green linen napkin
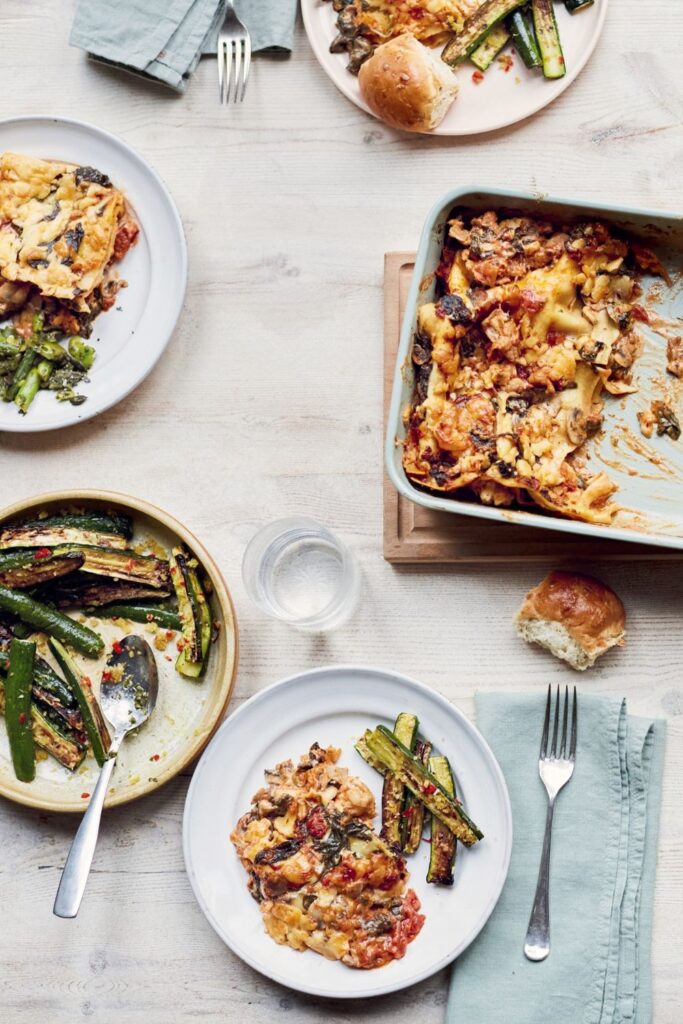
{"x": 603, "y": 861}
{"x": 164, "y": 39}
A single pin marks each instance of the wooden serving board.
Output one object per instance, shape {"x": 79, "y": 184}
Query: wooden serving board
{"x": 416, "y": 534}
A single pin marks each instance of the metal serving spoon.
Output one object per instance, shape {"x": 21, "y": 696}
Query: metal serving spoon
{"x": 127, "y": 703}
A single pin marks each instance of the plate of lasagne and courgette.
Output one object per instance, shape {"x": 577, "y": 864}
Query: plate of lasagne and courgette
{"x": 93, "y": 268}
{"x": 453, "y": 67}
{"x": 362, "y": 842}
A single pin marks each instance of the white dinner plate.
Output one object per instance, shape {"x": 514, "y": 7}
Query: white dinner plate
{"x": 502, "y": 98}
{"x": 334, "y": 706}
{"x": 130, "y": 337}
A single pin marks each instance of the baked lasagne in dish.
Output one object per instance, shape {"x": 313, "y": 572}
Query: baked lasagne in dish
{"x": 323, "y": 879}
{"x": 532, "y": 324}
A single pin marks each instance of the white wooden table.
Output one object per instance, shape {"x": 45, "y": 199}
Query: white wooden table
{"x": 269, "y": 403}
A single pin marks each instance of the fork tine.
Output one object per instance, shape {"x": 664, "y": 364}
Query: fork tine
{"x": 553, "y": 750}
{"x": 247, "y": 62}
{"x": 237, "y": 59}
{"x": 572, "y": 742}
{"x": 563, "y": 744}
{"x": 220, "y": 56}
{"x": 546, "y": 723}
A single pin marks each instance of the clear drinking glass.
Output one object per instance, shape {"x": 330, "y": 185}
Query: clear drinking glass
{"x": 295, "y": 569}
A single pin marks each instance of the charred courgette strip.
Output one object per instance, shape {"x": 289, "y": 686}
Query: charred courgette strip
{"x": 94, "y": 591}
{"x": 187, "y": 608}
{"x": 413, "y": 815}
{"x": 18, "y": 708}
{"x": 51, "y": 621}
{"x": 521, "y": 26}
{"x": 386, "y": 748}
{"x": 165, "y": 617}
{"x": 46, "y": 679}
{"x": 548, "y": 38}
{"x": 48, "y": 737}
{"x": 202, "y": 611}
{"x": 93, "y": 719}
{"x": 103, "y": 530}
{"x": 393, "y": 790}
{"x": 121, "y": 565}
{"x": 476, "y": 28}
{"x": 443, "y": 842}
{"x": 22, "y": 569}
{"x": 493, "y": 42}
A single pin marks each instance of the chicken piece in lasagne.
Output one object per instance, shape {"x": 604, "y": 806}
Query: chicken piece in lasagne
{"x": 534, "y": 322}
{"x": 323, "y": 879}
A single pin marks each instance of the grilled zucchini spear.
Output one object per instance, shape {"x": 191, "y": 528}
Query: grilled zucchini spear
{"x": 393, "y": 790}
{"x": 443, "y": 842}
{"x": 21, "y": 569}
{"x": 384, "y": 746}
{"x": 476, "y": 28}
{"x": 92, "y": 528}
{"x": 18, "y": 708}
{"x": 93, "y": 720}
{"x": 50, "y": 621}
{"x": 195, "y": 615}
{"x": 413, "y": 809}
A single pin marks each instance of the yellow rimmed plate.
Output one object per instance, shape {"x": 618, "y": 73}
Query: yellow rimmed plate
{"x": 187, "y": 711}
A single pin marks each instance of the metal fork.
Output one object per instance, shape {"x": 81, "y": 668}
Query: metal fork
{"x": 555, "y": 771}
{"x": 234, "y": 57}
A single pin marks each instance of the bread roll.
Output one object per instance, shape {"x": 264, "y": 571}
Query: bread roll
{"x": 407, "y": 85}
{"x": 575, "y": 617}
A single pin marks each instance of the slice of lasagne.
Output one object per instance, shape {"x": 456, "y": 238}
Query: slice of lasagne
{"x": 323, "y": 879}
{"x": 61, "y": 229}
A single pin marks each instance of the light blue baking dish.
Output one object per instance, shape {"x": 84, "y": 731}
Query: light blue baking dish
{"x": 649, "y": 472}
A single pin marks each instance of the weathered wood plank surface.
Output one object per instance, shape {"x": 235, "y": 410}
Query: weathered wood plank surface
{"x": 269, "y": 402}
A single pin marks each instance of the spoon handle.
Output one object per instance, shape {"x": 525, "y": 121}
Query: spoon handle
{"x": 77, "y": 867}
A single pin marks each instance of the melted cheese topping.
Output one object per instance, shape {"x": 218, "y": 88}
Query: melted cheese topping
{"x": 58, "y": 225}
{"x": 323, "y": 879}
{"x": 512, "y": 360}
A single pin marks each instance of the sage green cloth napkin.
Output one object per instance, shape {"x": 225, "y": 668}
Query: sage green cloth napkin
{"x": 164, "y": 39}
{"x": 603, "y": 860}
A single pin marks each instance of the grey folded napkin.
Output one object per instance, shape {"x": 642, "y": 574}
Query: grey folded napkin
{"x": 165, "y": 39}
{"x": 604, "y": 851}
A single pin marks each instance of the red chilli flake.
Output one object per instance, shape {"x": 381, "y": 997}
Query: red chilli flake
{"x": 116, "y": 647}
{"x": 155, "y": 757}
{"x": 22, "y": 718}
{"x": 106, "y": 676}
{"x": 42, "y": 553}
{"x": 84, "y": 796}
{"x": 429, "y": 788}
{"x": 477, "y": 77}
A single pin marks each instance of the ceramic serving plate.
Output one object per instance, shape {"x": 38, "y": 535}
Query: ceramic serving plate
{"x": 502, "y": 98}
{"x": 130, "y": 338}
{"x": 187, "y": 712}
{"x": 334, "y": 706}
{"x": 649, "y": 473}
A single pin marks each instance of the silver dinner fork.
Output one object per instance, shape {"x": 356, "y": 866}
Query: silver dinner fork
{"x": 555, "y": 770}
{"x": 234, "y": 57}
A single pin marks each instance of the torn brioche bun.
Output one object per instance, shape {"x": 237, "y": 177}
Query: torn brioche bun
{"x": 407, "y": 85}
{"x": 575, "y": 617}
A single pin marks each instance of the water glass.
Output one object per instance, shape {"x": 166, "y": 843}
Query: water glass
{"x": 297, "y": 570}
